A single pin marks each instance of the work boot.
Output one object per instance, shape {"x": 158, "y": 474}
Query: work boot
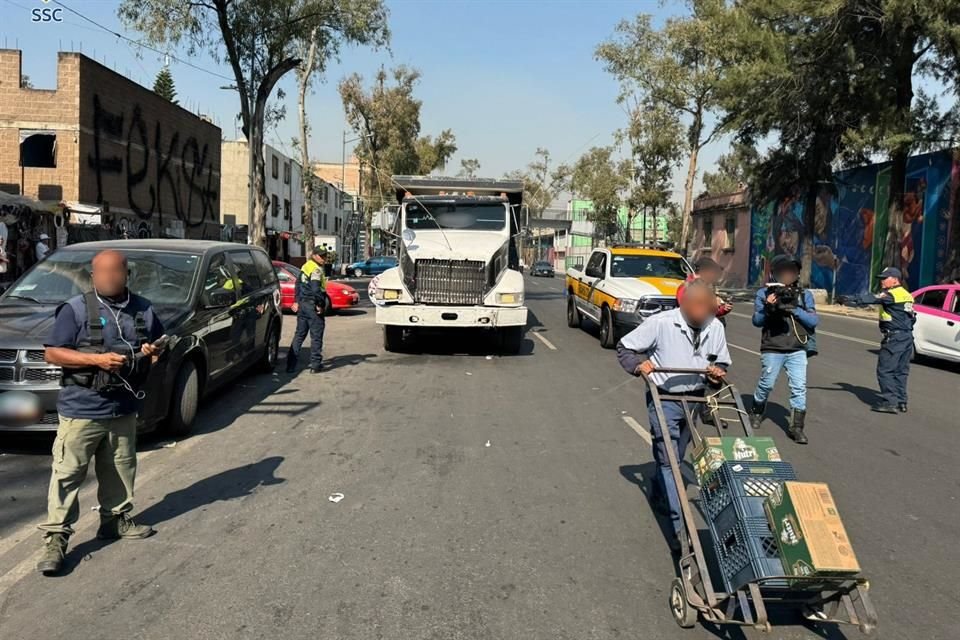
{"x": 122, "y": 526}
{"x": 795, "y": 431}
{"x": 756, "y": 414}
{"x": 54, "y": 550}
{"x": 884, "y": 407}
{"x": 902, "y": 407}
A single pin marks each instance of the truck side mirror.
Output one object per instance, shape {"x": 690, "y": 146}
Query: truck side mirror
{"x": 593, "y": 272}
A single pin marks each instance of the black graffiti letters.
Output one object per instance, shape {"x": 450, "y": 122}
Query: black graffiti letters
{"x": 162, "y": 175}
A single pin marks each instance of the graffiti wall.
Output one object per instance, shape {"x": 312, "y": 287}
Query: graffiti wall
{"x": 152, "y": 162}
{"x": 852, "y": 240}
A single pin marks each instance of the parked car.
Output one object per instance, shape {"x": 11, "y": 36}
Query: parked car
{"x": 937, "y": 332}
{"x": 342, "y": 296}
{"x": 372, "y": 267}
{"x": 542, "y": 269}
{"x": 219, "y": 302}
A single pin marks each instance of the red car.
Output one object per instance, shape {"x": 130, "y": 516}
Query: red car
{"x": 342, "y": 296}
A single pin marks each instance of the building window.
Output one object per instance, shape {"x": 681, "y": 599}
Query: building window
{"x": 274, "y": 166}
{"x": 286, "y": 173}
{"x": 324, "y": 222}
{"x": 303, "y": 214}
{"x": 336, "y": 229}
{"x": 707, "y": 231}
{"x": 326, "y": 194}
{"x": 274, "y": 206}
{"x": 38, "y": 149}
{"x": 730, "y": 231}
{"x": 286, "y": 209}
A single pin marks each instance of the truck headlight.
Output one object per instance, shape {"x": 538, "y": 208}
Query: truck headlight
{"x": 509, "y": 298}
{"x": 388, "y": 294}
{"x": 626, "y": 305}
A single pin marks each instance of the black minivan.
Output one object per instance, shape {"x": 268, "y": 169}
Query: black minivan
{"x": 218, "y": 301}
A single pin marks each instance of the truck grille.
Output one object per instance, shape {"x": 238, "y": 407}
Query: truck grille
{"x": 35, "y": 356}
{"x": 455, "y": 282}
{"x": 41, "y": 375}
{"x": 652, "y": 305}
{"x": 8, "y": 355}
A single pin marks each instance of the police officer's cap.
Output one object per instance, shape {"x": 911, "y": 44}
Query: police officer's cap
{"x": 320, "y": 252}
{"x": 890, "y": 272}
{"x": 784, "y": 262}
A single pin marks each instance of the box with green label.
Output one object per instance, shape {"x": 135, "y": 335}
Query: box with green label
{"x": 808, "y": 528}
{"x": 713, "y": 451}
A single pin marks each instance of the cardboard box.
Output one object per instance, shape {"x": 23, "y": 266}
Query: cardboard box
{"x": 812, "y": 538}
{"x": 713, "y": 451}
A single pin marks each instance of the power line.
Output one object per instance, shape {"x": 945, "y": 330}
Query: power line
{"x": 140, "y": 43}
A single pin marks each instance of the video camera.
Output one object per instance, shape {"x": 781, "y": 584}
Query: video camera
{"x": 788, "y": 295}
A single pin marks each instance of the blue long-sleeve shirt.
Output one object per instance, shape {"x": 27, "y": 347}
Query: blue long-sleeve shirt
{"x": 781, "y": 328}
{"x": 896, "y": 308}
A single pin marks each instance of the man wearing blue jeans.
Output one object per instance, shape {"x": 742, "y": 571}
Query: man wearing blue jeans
{"x": 787, "y": 315}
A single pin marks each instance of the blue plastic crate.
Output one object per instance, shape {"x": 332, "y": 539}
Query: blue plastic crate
{"x": 746, "y": 550}
{"x": 743, "y": 486}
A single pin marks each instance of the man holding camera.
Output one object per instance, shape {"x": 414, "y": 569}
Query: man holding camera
{"x": 897, "y": 318}
{"x": 787, "y": 315}
{"x": 105, "y": 341}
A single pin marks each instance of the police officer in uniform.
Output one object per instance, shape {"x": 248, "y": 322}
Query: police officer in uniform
{"x": 311, "y": 305}
{"x": 104, "y": 341}
{"x": 897, "y": 318}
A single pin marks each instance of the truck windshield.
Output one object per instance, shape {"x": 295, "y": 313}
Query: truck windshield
{"x": 649, "y": 267}
{"x": 456, "y": 215}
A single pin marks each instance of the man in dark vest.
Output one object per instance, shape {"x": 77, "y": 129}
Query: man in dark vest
{"x": 104, "y": 341}
{"x": 787, "y": 316}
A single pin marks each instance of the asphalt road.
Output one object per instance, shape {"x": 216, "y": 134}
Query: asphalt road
{"x": 485, "y": 497}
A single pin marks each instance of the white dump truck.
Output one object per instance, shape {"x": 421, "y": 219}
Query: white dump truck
{"x": 458, "y": 264}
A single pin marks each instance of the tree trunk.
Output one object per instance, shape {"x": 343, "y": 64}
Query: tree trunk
{"x": 307, "y": 177}
{"x": 898, "y": 170}
{"x": 809, "y": 219}
{"x": 258, "y": 234}
{"x": 688, "y": 198}
{"x": 628, "y": 233}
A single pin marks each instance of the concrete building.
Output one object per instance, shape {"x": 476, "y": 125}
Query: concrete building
{"x": 284, "y": 188}
{"x": 108, "y": 152}
{"x": 721, "y": 230}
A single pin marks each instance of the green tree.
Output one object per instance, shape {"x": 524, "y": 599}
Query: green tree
{"x": 680, "y": 67}
{"x": 655, "y": 139}
{"x": 307, "y": 52}
{"x": 386, "y": 117}
{"x": 469, "y": 168}
{"x": 163, "y": 86}
{"x": 598, "y": 177}
{"x": 734, "y": 169}
{"x": 258, "y": 38}
{"x": 434, "y": 154}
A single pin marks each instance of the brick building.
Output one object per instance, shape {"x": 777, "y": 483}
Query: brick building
{"x": 111, "y": 151}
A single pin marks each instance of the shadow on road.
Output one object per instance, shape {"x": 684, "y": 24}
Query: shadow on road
{"x": 867, "y": 396}
{"x": 227, "y": 485}
{"x": 347, "y": 360}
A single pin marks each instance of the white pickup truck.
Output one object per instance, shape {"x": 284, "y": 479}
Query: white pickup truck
{"x": 621, "y": 285}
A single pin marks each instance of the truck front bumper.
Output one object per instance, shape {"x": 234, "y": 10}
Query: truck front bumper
{"x": 418, "y": 315}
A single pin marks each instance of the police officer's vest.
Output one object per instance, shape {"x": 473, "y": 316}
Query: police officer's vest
{"x": 136, "y": 370}
{"x": 900, "y": 316}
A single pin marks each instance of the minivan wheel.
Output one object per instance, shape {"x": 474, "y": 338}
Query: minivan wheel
{"x": 184, "y": 400}
{"x": 358, "y": 273}
{"x": 271, "y": 352}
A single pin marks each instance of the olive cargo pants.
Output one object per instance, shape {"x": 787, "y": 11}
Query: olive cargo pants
{"x": 113, "y": 443}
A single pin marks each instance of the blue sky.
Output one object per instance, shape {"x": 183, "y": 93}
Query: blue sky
{"x": 507, "y": 76}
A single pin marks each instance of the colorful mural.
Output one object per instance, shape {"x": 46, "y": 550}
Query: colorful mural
{"x": 852, "y": 239}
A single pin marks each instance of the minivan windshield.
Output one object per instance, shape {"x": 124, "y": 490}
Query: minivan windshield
{"x": 456, "y": 216}
{"x": 165, "y": 279}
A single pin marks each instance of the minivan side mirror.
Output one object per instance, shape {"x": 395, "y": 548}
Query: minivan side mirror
{"x": 219, "y": 298}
